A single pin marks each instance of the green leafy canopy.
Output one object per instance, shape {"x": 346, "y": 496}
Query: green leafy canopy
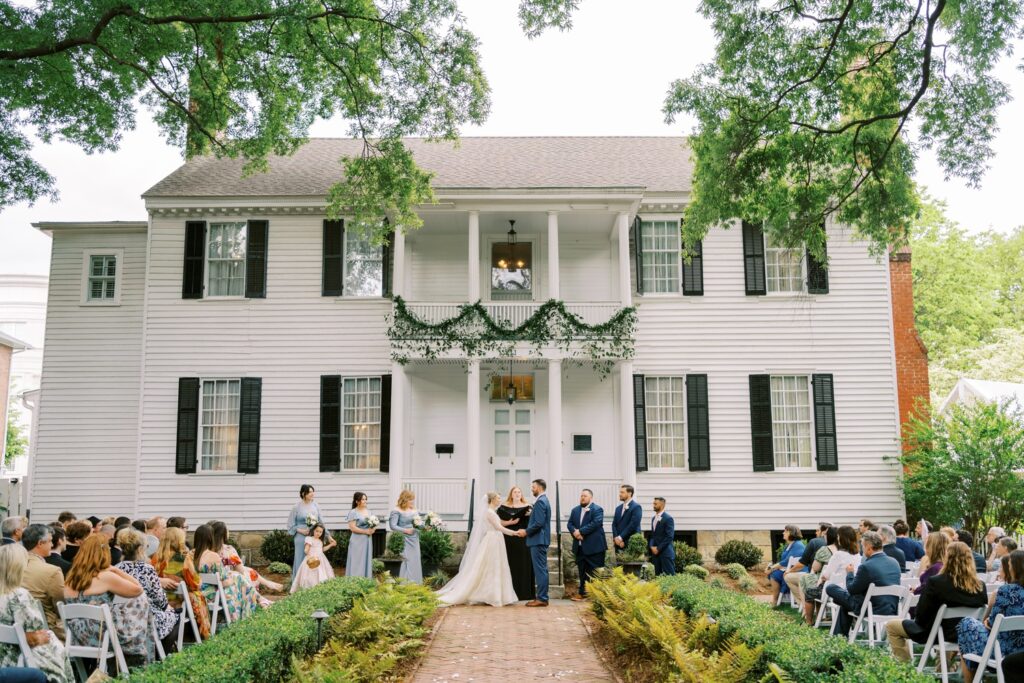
{"x": 816, "y": 109}
{"x": 247, "y": 78}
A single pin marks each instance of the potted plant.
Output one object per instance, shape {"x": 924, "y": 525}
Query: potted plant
{"x": 634, "y": 555}
{"x": 393, "y": 553}
{"x": 435, "y": 547}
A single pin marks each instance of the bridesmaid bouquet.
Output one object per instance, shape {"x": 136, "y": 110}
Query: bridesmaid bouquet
{"x": 371, "y": 522}
{"x": 311, "y": 520}
{"x": 431, "y": 520}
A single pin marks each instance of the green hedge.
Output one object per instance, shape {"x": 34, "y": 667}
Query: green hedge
{"x": 807, "y": 654}
{"x": 260, "y": 647}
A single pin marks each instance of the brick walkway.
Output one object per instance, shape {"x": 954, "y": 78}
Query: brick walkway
{"x": 515, "y": 643}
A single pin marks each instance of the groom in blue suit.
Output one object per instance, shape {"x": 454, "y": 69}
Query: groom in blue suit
{"x": 538, "y": 538}
{"x": 586, "y": 525}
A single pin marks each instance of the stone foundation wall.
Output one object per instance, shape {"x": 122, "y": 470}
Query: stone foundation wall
{"x": 708, "y": 542}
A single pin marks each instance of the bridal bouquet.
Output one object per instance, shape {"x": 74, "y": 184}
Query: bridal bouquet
{"x": 371, "y": 522}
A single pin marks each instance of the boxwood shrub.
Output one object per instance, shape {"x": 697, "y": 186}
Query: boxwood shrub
{"x": 260, "y": 647}
{"x": 807, "y": 654}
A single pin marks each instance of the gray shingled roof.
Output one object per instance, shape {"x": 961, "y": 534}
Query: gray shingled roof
{"x": 658, "y": 164}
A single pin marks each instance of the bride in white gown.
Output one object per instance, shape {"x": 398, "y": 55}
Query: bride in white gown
{"x": 484, "y": 576}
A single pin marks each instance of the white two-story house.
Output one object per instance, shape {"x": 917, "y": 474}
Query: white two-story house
{"x": 209, "y": 360}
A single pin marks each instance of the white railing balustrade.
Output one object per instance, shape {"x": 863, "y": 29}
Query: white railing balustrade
{"x": 447, "y": 497}
{"x": 513, "y": 313}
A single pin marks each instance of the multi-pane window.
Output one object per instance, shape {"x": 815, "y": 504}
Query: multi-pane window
{"x": 659, "y": 242}
{"x": 225, "y": 257}
{"x": 219, "y": 422}
{"x": 784, "y": 265}
{"x": 360, "y": 421}
{"x": 664, "y": 410}
{"x": 791, "y": 421}
{"x": 364, "y": 266}
{"x": 102, "y": 282}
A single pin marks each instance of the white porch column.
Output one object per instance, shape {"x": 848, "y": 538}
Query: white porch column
{"x": 473, "y": 452}
{"x": 554, "y": 420}
{"x": 398, "y": 277}
{"x": 474, "y": 259}
{"x": 554, "y": 285}
{"x": 627, "y": 446}
{"x": 625, "y": 291}
{"x": 399, "y": 393}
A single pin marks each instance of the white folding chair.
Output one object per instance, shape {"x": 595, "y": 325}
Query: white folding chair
{"x": 155, "y": 635}
{"x": 936, "y": 643}
{"x": 187, "y": 615}
{"x": 792, "y": 598}
{"x": 824, "y": 600}
{"x": 15, "y": 635}
{"x": 993, "y": 654}
{"x": 219, "y": 604}
{"x": 875, "y": 623}
{"x": 911, "y": 582}
{"x": 108, "y": 637}
{"x": 914, "y": 569}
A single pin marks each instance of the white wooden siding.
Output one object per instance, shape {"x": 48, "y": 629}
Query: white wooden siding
{"x": 84, "y": 456}
{"x": 586, "y": 267}
{"x": 438, "y": 267}
{"x": 730, "y": 336}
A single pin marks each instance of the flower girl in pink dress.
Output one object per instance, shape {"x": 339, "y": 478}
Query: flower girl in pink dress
{"x": 315, "y": 569}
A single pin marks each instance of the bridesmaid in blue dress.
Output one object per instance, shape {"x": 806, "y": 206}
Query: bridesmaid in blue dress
{"x": 360, "y": 546}
{"x": 298, "y": 523}
{"x": 401, "y": 522}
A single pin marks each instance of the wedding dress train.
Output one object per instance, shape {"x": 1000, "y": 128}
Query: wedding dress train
{"x": 484, "y": 576}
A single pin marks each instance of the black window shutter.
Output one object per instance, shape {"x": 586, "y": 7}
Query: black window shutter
{"x": 256, "y": 259}
{"x": 188, "y": 425}
{"x": 639, "y": 251}
{"x": 697, "y": 428}
{"x": 693, "y": 272}
{"x": 753, "y": 258}
{"x": 249, "y": 425}
{"x": 334, "y": 258}
{"x": 385, "y": 256}
{"x": 330, "y": 423}
{"x": 761, "y": 422}
{"x": 640, "y": 422}
{"x": 817, "y": 273}
{"x": 195, "y": 253}
{"x": 825, "y": 422}
{"x": 385, "y": 423}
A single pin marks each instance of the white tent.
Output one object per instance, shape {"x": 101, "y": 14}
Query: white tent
{"x": 970, "y": 391}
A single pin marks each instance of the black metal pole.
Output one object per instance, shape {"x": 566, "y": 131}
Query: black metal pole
{"x": 558, "y": 530}
{"x": 472, "y": 495}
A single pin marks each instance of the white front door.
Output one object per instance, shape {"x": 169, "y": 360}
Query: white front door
{"x": 513, "y": 448}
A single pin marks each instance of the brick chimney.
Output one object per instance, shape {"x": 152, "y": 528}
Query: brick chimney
{"x": 911, "y": 354}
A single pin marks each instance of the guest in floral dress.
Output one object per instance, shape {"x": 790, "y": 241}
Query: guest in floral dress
{"x": 173, "y": 560}
{"x": 240, "y": 597}
{"x": 134, "y": 564}
{"x": 972, "y": 635}
{"x": 92, "y": 581}
{"x": 232, "y": 559}
{"x": 360, "y": 547}
{"x": 303, "y": 515}
{"x": 17, "y": 606}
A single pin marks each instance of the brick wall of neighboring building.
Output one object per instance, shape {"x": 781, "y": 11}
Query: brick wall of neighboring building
{"x": 911, "y": 354}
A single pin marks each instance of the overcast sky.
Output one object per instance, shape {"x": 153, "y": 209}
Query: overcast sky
{"x": 608, "y": 76}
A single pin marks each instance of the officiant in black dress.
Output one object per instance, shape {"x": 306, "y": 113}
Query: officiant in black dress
{"x": 515, "y": 515}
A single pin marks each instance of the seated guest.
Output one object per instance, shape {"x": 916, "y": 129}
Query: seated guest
{"x": 12, "y": 528}
{"x": 949, "y": 531}
{"x": 957, "y": 585}
{"x": 77, "y": 533}
{"x": 65, "y": 518}
{"x": 808, "y": 587}
{"x": 137, "y": 566}
{"x": 796, "y": 574}
{"x": 866, "y": 525}
{"x": 173, "y": 564}
{"x": 122, "y": 521}
{"x": 967, "y": 538}
{"x": 233, "y": 560}
{"x": 889, "y": 546}
{"x": 60, "y": 542}
{"x": 140, "y": 526}
{"x": 1004, "y": 546}
{"x": 973, "y": 634}
{"x": 1013, "y": 668}
{"x": 794, "y": 548}
{"x": 17, "y": 606}
{"x": 95, "y": 522}
{"x": 108, "y": 532}
{"x": 240, "y": 596}
{"x": 931, "y": 563}
{"x": 45, "y": 582}
{"x": 177, "y": 523}
{"x": 155, "y": 528}
{"x": 92, "y": 581}
{"x": 878, "y": 569}
{"x": 992, "y": 537}
{"x": 913, "y": 550}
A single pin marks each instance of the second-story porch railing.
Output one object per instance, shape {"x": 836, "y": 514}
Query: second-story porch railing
{"x": 513, "y": 313}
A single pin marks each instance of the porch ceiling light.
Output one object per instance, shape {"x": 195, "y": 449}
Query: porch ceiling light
{"x": 512, "y": 264}
{"x": 511, "y": 391}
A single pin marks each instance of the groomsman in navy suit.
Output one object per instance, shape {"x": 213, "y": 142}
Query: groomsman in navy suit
{"x": 627, "y": 518}
{"x": 663, "y": 533}
{"x": 586, "y": 524}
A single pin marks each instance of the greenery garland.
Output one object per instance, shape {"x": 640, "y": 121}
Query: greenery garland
{"x": 476, "y": 334}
